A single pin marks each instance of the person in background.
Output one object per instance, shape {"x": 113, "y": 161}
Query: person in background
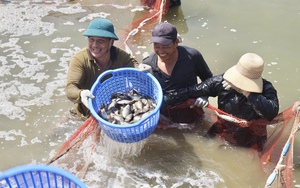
{"x": 87, "y": 64}
{"x": 242, "y": 92}
{"x": 175, "y": 67}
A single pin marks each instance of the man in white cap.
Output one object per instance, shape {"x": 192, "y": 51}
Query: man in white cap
{"x": 87, "y": 64}
{"x": 175, "y": 66}
{"x": 242, "y": 92}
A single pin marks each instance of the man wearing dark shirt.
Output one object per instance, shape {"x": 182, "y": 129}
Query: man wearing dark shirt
{"x": 175, "y": 66}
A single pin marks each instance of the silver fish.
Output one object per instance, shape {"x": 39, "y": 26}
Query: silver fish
{"x": 125, "y": 108}
{"x": 126, "y": 111}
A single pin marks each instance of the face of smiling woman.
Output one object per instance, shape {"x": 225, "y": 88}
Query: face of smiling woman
{"x": 99, "y": 46}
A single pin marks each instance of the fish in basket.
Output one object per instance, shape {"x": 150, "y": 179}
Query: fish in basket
{"x": 127, "y": 104}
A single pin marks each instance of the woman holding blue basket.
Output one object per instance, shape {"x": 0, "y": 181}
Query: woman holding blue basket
{"x": 87, "y": 64}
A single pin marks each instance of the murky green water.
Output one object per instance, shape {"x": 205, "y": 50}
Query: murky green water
{"x": 39, "y": 37}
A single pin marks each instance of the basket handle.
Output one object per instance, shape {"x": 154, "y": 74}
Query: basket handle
{"x": 106, "y": 74}
{"x": 111, "y": 73}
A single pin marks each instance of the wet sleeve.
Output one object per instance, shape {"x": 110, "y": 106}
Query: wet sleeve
{"x": 202, "y": 69}
{"x": 150, "y": 60}
{"x": 132, "y": 62}
{"x": 211, "y": 87}
{"x": 265, "y": 104}
{"x": 75, "y": 74}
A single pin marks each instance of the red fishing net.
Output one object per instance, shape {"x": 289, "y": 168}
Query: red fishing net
{"x": 276, "y": 155}
{"x": 276, "y": 152}
{"x": 156, "y": 10}
{"x": 70, "y": 155}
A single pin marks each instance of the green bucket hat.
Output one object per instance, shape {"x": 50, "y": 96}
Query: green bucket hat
{"x": 101, "y": 27}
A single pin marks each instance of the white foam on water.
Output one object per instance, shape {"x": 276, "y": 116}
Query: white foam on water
{"x": 7, "y": 108}
{"x": 30, "y": 16}
{"x": 94, "y": 15}
{"x": 23, "y": 89}
{"x": 137, "y": 9}
{"x": 28, "y": 22}
{"x": 68, "y": 23}
{"x": 146, "y": 164}
{"x": 23, "y": 142}
{"x": 122, "y": 6}
{"x": 11, "y": 134}
{"x": 35, "y": 140}
{"x": 61, "y": 39}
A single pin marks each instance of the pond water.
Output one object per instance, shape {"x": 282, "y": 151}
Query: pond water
{"x": 38, "y": 37}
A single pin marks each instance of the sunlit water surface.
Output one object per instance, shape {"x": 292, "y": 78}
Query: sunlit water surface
{"x": 38, "y": 38}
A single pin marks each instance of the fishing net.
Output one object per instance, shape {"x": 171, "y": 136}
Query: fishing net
{"x": 276, "y": 156}
{"x": 277, "y": 153}
{"x": 156, "y": 10}
{"x": 181, "y": 116}
{"x": 75, "y": 154}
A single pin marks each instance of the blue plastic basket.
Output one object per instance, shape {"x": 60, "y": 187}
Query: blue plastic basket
{"x": 39, "y": 176}
{"x": 122, "y": 80}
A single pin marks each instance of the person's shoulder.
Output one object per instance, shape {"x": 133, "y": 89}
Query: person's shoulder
{"x": 82, "y": 53}
{"x": 188, "y": 50}
{"x": 267, "y": 84}
{"x": 121, "y": 56}
{"x": 150, "y": 59}
{"x": 265, "y": 81}
{"x": 119, "y": 51}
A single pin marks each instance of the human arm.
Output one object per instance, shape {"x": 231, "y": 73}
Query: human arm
{"x": 265, "y": 104}
{"x": 82, "y": 73}
{"x": 209, "y": 87}
{"x": 201, "y": 67}
{"x": 74, "y": 84}
{"x": 227, "y": 86}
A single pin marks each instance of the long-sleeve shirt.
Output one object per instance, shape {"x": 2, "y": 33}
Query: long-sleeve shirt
{"x": 83, "y": 72}
{"x": 263, "y": 105}
{"x": 255, "y": 106}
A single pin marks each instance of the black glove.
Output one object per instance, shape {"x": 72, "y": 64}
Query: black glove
{"x": 176, "y": 97}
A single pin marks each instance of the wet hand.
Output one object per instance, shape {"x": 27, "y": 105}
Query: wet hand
{"x": 227, "y": 86}
{"x": 85, "y": 94}
{"x": 201, "y": 102}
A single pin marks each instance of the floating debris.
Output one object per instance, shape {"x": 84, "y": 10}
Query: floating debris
{"x": 127, "y": 108}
